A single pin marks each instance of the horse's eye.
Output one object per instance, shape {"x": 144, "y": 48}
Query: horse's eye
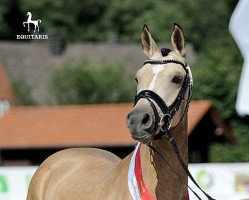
{"x": 177, "y": 79}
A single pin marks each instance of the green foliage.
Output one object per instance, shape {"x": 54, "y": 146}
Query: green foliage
{"x": 9, "y": 12}
{"x": 73, "y": 20}
{"x": 236, "y": 153}
{"x": 216, "y": 77}
{"x": 119, "y": 20}
{"x": 216, "y": 74}
{"x": 125, "y": 18}
{"x": 75, "y": 83}
{"x": 23, "y": 94}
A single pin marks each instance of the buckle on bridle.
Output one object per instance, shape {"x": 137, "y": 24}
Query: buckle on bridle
{"x": 165, "y": 122}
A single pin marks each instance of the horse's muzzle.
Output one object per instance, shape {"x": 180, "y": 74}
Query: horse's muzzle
{"x": 141, "y": 125}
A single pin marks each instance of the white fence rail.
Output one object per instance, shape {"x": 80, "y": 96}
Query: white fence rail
{"x": 221, "y": 181}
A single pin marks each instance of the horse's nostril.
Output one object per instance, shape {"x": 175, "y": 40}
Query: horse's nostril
{"x": 129, "y": 120}
{"x": 145, "y": 119}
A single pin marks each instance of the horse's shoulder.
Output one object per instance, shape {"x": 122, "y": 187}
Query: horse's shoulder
{"x": 89, "y": 152}
{"x": 73, "y": 165}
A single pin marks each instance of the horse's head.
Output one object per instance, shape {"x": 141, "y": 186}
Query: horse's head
{"x": 163, "y": 88}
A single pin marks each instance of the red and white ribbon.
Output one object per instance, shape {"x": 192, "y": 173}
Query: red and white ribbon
{"x": 137, "y": 187}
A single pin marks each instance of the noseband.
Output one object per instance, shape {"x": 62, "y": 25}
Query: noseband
{"x": 162, "y": 125}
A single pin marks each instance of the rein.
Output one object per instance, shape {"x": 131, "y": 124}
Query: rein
{"x": 163, "y": 125}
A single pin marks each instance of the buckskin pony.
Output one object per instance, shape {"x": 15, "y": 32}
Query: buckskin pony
{"x": 161, "y": 105}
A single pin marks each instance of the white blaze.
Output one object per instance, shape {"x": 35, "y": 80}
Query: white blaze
{"x": 155, "y": 70}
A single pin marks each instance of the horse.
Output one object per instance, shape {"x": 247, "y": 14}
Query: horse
{"x": 30, "y": 21}
{"x": 161, "y": 105}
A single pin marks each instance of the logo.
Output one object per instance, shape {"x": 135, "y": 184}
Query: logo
{"x": 35, "y": 24}
{"x": 30, "y": 21}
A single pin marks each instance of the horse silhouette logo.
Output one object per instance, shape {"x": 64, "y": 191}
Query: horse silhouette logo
{"x": 30, "y": 21}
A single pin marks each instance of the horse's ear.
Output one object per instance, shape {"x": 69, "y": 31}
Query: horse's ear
{"x": 148, "y": 44}
{"x": 178, "y": 40}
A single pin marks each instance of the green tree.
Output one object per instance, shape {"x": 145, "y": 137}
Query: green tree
{"x": 216, "y": 74}
{"x": 23, "y": 94}
{"x": 76, "y": 84}
{"x": 9, "y": 13}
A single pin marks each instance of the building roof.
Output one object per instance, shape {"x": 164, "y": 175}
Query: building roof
{"x": 197, "y": 110}
{"x": 82, "y": 125}
{"x": 5, "y": 86}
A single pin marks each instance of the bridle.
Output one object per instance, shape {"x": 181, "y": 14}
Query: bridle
{"x": 162, "y": 127}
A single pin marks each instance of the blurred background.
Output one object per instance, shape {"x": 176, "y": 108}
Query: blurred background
{"x": 91, "y": 55}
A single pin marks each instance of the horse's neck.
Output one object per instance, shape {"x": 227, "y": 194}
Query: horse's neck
{"x": 30, "y": 16}
{"x": 158, "y": 176}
